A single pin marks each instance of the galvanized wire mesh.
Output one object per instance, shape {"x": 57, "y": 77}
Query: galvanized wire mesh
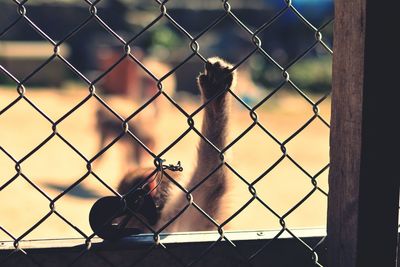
{"x": 228, "y": 11}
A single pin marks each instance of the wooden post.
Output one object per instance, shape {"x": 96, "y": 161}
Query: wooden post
{"x": 364, "y": 175}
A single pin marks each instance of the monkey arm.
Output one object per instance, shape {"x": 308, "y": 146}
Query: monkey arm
{"x": 218, "y": 77}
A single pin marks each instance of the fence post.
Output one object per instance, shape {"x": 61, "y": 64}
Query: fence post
{"x": 363, "y": 180}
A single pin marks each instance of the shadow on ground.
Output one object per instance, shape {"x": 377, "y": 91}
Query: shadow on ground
{"x": 79, "y": 190}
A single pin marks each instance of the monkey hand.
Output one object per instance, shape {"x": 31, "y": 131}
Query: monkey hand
{"x": 217, "y": 77}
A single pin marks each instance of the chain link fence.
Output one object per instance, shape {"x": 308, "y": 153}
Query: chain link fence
{"x": 227, "y": 9}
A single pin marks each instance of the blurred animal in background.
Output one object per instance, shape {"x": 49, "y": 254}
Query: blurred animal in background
{"x": 132, "y": 80}
{"x": 129, "y": 87}
{"x": 110, "y": 127}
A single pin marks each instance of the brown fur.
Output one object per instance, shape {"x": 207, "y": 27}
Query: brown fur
{"x": 217, "y": 77}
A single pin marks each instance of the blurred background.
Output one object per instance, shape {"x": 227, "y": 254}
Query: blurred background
{"x": 91, "y": 51}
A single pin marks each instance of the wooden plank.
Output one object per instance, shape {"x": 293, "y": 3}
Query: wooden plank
{"x": 363, "y": 180}
{"x": 345, "y": 153}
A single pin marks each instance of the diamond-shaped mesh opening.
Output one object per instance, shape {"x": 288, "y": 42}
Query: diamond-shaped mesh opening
{"x": 116, "y": 161}
{"x": 55, "y": 26}
{"x": 279, "y": 184}
{"x": 284, "y": 113}
{"x": 24, "y": 59}
{"x": 321, "y": 69}
{"x": 183, "y": 150}
{"x": 15, "y": 128}
{"x": 313, "y": 159}
{"x": 265, "y": 74}
{"x": 128, "y": 78}
{"x": 255, "y": 214}
{"x": 236, "y": 36}
{"x": 75, "y": 121}
{"x": 251, "y": 167}
{"x": 24, "y": 213}
{"x": 186, "y": 90}
{"x": 106, "y": 87}
{"x": 292, "y": 30}
{"x": 51, "y": 229}
{"x": 84, "y": 192}
{"x": 197, "y": 28}
{"x": 49, "y": 167}
{"x": 9, "y": 31}
{"x": 53, "y": 75}
{"x": 310, "y": 214}
{"x": 163, "y": 39}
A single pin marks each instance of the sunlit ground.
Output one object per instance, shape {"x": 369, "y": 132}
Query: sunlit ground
{"x": 55, "y": 166}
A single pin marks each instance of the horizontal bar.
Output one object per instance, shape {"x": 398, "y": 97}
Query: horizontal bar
{"x": 247, "y": 248}
{"x": 165, "y": 238}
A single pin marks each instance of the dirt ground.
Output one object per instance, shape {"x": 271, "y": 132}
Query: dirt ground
{"x": 55, "y": 165}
